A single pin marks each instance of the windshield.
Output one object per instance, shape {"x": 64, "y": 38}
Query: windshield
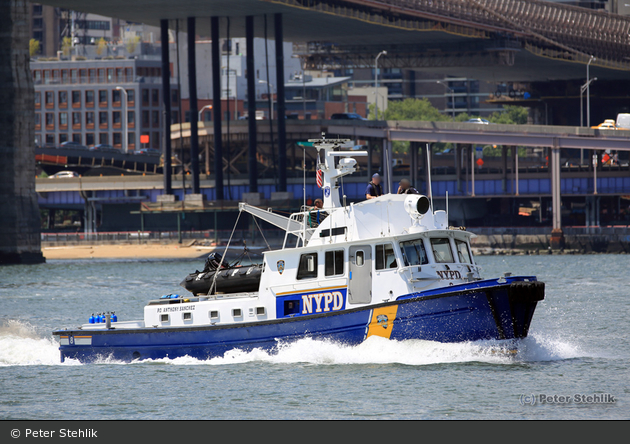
{"x": 442, "y": 250}
{"x": 414, "y": 252}
{"x": 462, "y": 252}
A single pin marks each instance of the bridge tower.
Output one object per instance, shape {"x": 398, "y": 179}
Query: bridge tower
{"x": 20, "y": 241}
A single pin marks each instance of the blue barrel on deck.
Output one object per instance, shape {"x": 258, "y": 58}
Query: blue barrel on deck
{"x": 114, "y": 317}
{"x": 92, "y": 320}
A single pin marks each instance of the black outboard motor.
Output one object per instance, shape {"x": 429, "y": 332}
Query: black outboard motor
{"x": 213, "y": 262}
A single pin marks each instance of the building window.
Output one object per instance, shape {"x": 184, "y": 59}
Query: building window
{"x": 131, "y": 118}
{"x": 63, "y": 138}
{"x": 89, "y": 98}
{"x": 101, "y": 75}
{"x": 145, "y": 97}
{"x": 37, "y": 77}
{"x": 155, "y": 97}
{"x": 89, "y": 118}
{"x": 76, "y": 99}
{"x": 174, "y": 97}
{"x": 38, "y": 119}
{"x": 117, "y": 139}
{"x": 50, "y": 139}
{"x": 385, "y": 257}
{"x": 76, "y": 137}
{"x": 131, "y": 139}
{"x": 73, "y": 76}
{"x": 63, "y": 119}
{"x": 442, "y": 250}
{"x": 49, "y": 99}
{"x": 103, "y": 138}
{"x": 110, "y": 75}
{"x": 308, "y": 266}
{"x": 102, "y": 118}
{"x": 64, "y": 76}
{"x": 63, "y": 98}
{"x": 119, "y": 75}
{"x": 38, "y": 99}
{"x": 76, "y": 119}
{"x": 102, "y": 97}
{"x": 50, "y": 121}
{"x": 129, "y": 75}
{"x": 155, "y": 119}
{"x": 155, "y": 143}
{"x": 83, "y": 75}
{"x": 116, "y": 120}
{"x": 38, "y": 140}
{"x": 131, "y": 96}
{"x": 47, "y": 76}
{"x": 92, "y": 75}
{"x": 145, "y": 119}
{"x": 334, "y": 263}
{"x": 116, "y": 97}
{"x": 89, "y": 139}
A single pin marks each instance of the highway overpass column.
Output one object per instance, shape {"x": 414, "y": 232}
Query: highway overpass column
{"x": 216, "y": 107}
{"x": 557, "y": 238}
{"x": 166, "y": 100}
{"x": 282, "y": 133}
{"x": 192, "y": 91}
{"x": 251, "y": 104}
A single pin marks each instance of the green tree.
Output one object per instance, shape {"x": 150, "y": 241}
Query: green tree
{"x": 33, "y": 47}
{"x": 100, "y": 46}
{"x": 66, "y": 45}
{"x": 132, "y": 43}
{"x": 511, "y": 114}
{"x": 413, "y": 109}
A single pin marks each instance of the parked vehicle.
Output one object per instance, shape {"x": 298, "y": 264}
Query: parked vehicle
{"x": 479, "y": 120}
{"x": 149, "y": 151}
{"x": 104, "y": 147}
{"x": 347, "y": 116}
{"x": 64, "y": 175}
{"x": 73, "y": 145}
{"x": 608, "y": 124}
{"x": 623, "y": 121}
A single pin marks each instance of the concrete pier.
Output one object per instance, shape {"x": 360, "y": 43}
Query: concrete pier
{"x": 20, "y": 241}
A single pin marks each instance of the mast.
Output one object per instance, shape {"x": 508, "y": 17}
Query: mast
{"x": 332, "y": 170}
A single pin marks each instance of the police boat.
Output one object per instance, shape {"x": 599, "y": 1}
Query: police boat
{"x": 390, "y": 267}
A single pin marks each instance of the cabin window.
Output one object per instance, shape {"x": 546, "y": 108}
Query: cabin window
{"x": 334, "y": 263}
{"x": 260, "y": 311}
{"x": 291, "y": 307}
{"x": 214, "y": 315}
{"x": 462, "y": 252}
{"x": 414, "y": 252}
{"x": 308, "y": 266}
{"x": 164, "y": 318}
{"x": 237, "y": 313}
{"x": 442, "y": 250}
{"x": 188, "y": 316}
{"x": 385, "y": 257}
{"x": 360, "y": 258}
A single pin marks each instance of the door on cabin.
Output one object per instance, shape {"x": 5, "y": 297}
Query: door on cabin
{"x": 360, "y": 283}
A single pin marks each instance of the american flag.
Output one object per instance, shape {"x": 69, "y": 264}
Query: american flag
{"x": 320, "y": 178}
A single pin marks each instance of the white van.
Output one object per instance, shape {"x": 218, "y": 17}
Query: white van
{"x": 623, "y": 121}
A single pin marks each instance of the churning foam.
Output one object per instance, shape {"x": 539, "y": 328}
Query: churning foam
{"x": 21, "y": 345}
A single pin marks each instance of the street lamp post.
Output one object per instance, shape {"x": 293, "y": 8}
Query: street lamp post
{"x": 271, "y": 94}
{"x": 588, "y": 93}
{"x": 201, "y": 111}
{"x": 582, "y": 89}
{"x": 376, "y": 83}
{"x": 452, "y": 97}
{"x": 124, "y": 121}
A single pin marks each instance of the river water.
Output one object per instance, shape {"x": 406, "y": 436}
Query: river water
{"x": 578, "y": 345}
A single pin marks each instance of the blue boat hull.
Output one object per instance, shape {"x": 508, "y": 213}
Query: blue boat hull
{"x": 469, "y": 312}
